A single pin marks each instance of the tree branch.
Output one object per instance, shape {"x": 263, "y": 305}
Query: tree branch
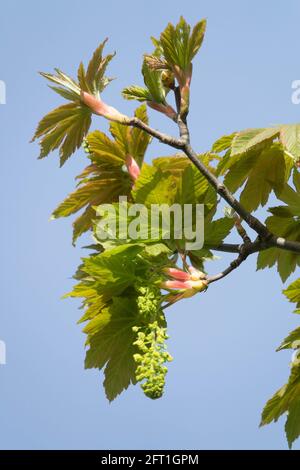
{"x": 224, "y": 247}
{"x": 245, "y": 250}
{"x": 163, "y": 138}
{"x": 283, "y": 244}
{"x": 233, "y": 265}
{"x": 268, "y": 238}
{"x": 240, "y": 229}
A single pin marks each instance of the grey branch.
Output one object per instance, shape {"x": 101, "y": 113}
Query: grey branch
{"x": 244, "y": 250}
{"x": 267, "y": 238}
{"x": 163, "y": 138}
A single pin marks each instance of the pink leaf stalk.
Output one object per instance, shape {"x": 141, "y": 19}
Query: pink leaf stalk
{"x": 184, "y": 78}
{"x": 98, "y": 106}
{"x": 132, "y": 167}
{"x": 196, "y": 274}
{"x": 163, "y": 108}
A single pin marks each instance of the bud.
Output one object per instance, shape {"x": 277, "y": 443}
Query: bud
{"x": 197, "y": 286}
{"x": 187, "y": 283}
{"x": 196, "y": 274}
{"x": 167, "y": 78}
{"x": 177, "y": 274}
{"x": 180, "y": 275}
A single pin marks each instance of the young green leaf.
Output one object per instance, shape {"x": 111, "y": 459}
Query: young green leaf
{"x": 104, "y": 180}
{"x": 250, "y": 138}
{"x": 112, "y": 346}
{"x": 179, "y": 45}
{"x": 263, "y": 171}
{"x": 292, "y": 292}
{"x": 290, "y": 138}
{"x": 66, "y": 126}
{"x": 286, "y": 400}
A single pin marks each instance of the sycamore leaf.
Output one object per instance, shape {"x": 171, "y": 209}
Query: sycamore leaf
{"x": 218, "y": 230}
{"x": 290, "y": 138}
{"x": 172, "y": 180}
{"x": 154, "y": 93}
{"x": 83, "y": 223}
{"x": 105, "y": 274}
{"x": 276, "y": 406}
{"x": 139, "y": 140}
{"x": 296, "y": 180}
{"x": 292, "y": 292}
{"x": 66, "y": 126}
{"x": 113, "y": 270}
{"x": 157, "y": 249}
{"x": 215, "y": 233}
{"x": 174, "y": 164}
{"x": 136, "y": 92}
{"x": 284, "y": 223}
{"x": 262, "y": 171}
{"x": 112, "y": 346}
{"x": 246, "y": 140}
{"x": 171, "y": 59}
{"x": 112, "y": 285}
{"x": 291, "y": 198}
{"x": 179, "y": 161}
{"x": 154, "y": 187}
{"x": 153, "y": 82}
{"x": 289, "y": 341}
{"x": 268, "y": 173}
{"x": 104, "y": 186}
{"x": 192, "y": 187}
{"x": 179, "y": 45}
{"x": 286, "y": 400}
{"x": 250, "y": 139}
{"x": 292, "y": 425}
{"x": 238, "y": 170}
{"x": 132, "y": 141}
{"x": 95, "y": 77}
{"x": 223, "y": 143}
{"x": 286, "y": 261}
{"x": 104, "y": 180}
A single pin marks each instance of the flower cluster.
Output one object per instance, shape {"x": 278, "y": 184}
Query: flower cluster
{"x": 151, "y": 370}
{"x": 148, "y": 301}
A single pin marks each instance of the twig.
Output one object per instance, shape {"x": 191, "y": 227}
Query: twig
{"x": 240, "y": 229}
{"x": 245, "y": 251}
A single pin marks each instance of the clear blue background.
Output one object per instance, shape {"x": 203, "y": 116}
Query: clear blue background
{"x": 223, "y": 341}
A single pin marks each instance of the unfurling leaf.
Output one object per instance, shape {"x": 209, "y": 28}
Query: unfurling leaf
{"x": 104, "y": 180}
{"x": 154, "y": 94}
{"x": 66, "y": 126}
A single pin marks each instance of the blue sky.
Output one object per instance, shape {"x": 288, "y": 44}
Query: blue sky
{"x": 224, "y": 341}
